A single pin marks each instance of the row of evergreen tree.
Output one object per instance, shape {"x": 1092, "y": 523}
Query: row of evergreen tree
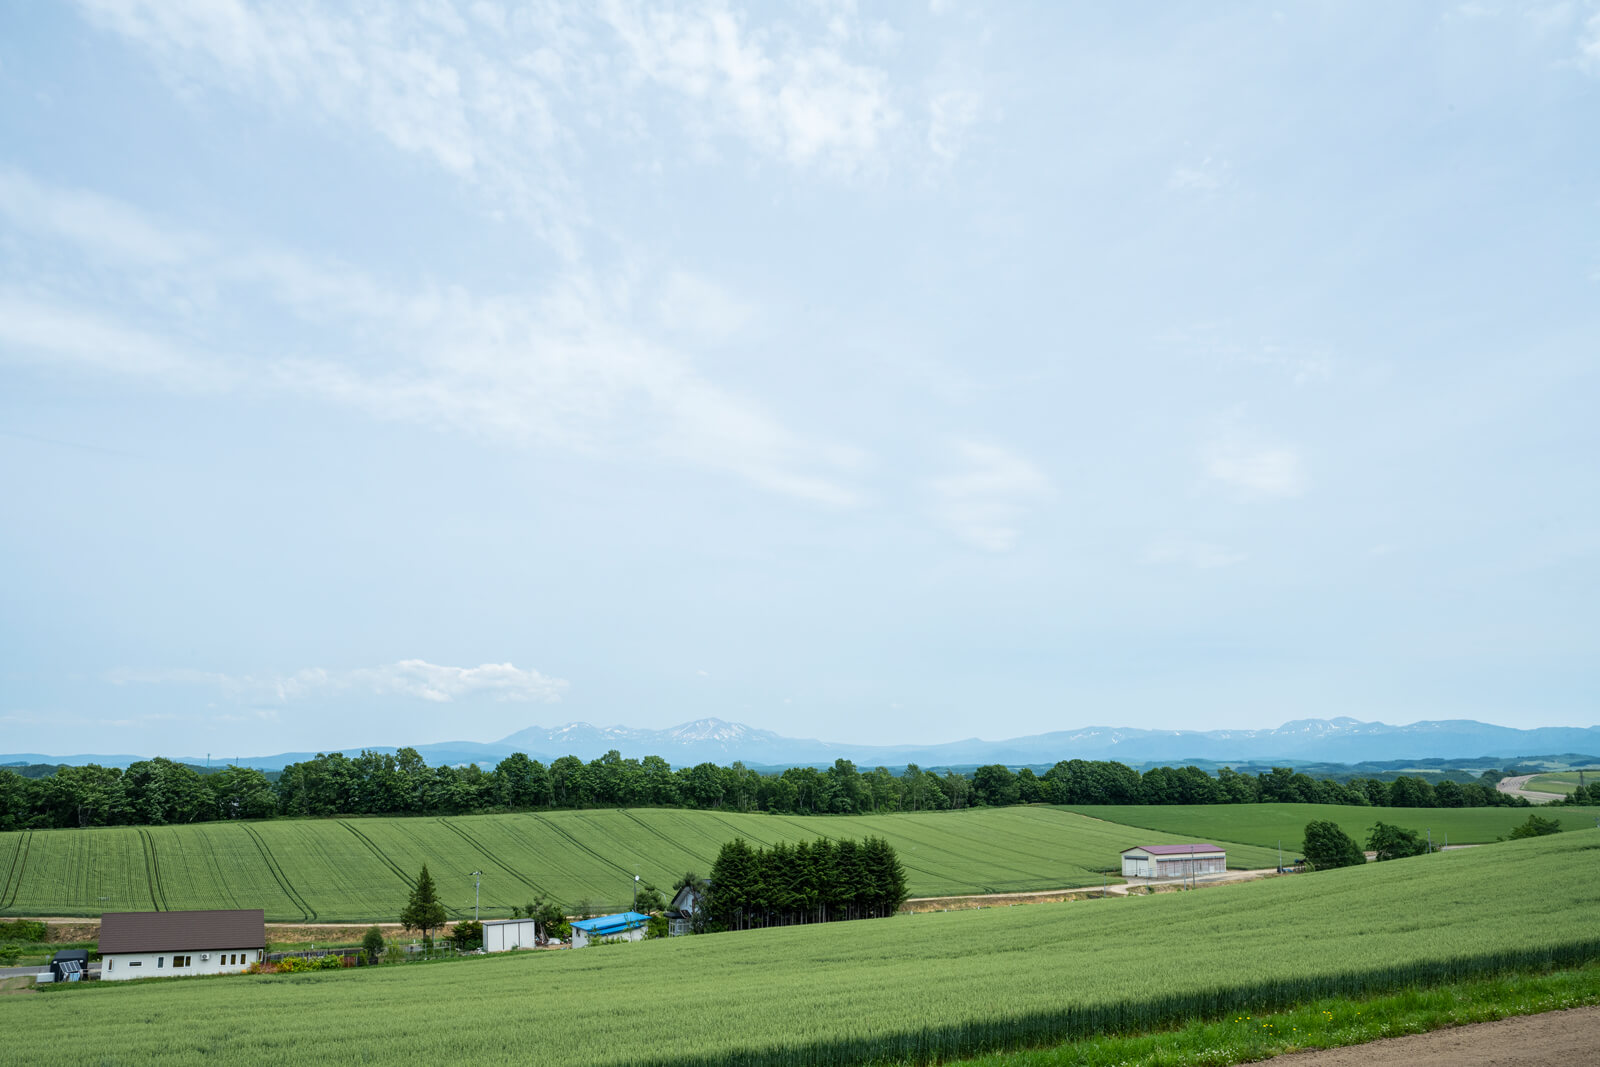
{"x": 159, "y": 791}
{"x": 809, "y": 882}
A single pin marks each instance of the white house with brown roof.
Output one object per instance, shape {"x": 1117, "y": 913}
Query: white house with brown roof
{"x": 170, "y": 944}
{"x": 1173, "y": 861}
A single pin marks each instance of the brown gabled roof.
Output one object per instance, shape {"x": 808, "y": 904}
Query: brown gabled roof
{"x": 182, "y": 931}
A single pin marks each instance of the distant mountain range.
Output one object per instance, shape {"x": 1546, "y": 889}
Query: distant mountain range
{"x": 1341, "y": 740}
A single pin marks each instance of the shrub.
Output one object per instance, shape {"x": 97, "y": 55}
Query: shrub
{"x": 22, "y": 930}
{"x": 1536, "y": 826}
{"x": 9, "y": 954}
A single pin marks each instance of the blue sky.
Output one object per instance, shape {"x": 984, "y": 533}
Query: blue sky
{"x": 882, "y": 374}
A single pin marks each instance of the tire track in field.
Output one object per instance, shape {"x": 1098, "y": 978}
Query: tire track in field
{"x": 307, "y": 912}
{"x": 674, "y": 842}
{"x": 738, "y": 832}
{"x": 19, "y": 860}
{"x": 382, "y": 856}
{"x": 579, "y": 844}
{"x": 493, "y": 858}
{"x": 158, "y": 895}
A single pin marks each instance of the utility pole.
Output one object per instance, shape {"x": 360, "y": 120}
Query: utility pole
{"x": 477, "y": 885}
{"x": 1430, "y": 840}
{"x": 1280, "y": 855}
{"x": 635, "y": 893}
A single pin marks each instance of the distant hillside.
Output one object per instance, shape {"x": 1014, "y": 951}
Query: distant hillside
{"x": 1305, "y": 741}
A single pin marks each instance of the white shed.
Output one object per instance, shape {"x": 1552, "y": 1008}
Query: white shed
{"x": 1173, "y": 861}
{"x": 503, "y": 935}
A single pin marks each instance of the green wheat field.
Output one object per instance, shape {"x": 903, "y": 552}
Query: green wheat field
{"x": 907, "y": 989}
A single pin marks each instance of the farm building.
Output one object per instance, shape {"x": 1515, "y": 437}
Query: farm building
{"x": 503, "y": 935}
{"x": 1173, "y": 861}
{"x": 628, "y": 926}
{"x": 680, "y": 913}
{"x": 154, "y": 944}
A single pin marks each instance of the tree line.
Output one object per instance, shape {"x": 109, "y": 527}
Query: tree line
{"x": 161, "y": 792}
{"x": 808, "y": 882}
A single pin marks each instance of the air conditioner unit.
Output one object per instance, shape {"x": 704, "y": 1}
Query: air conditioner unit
{"x": 205, "y": 955}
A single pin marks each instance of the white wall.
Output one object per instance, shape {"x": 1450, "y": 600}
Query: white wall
{"x": 580, "y": 939}
{"x": 502, "y": 937}
{"x": 125, "y": 966}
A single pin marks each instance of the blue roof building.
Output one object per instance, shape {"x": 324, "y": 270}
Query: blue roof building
{"x": 629, "y": 926}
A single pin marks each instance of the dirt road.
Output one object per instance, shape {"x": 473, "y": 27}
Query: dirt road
{"x": 1555, "y": 1037}
{"x": 1514, "y": 786}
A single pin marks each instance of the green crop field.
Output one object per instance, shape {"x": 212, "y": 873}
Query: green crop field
{"x": 1562, "y": 782}
{"x": 1265, "y": 825}
{"x": 359, "y": 869}
{"x": 906, "y": 989}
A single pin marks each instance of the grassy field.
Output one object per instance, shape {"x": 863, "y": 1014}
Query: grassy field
{"x": 906, "y": 989}
{"x": 1264, "y": 825}
{"x": 1562, "y": 782}
{"x": 360, "y": 869}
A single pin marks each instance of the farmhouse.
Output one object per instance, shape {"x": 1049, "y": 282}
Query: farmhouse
{"x": 1173, "y": 861}
{"x": 503, "y": 935}
{"x": 628, "y": 926}
{"x": 155, "y": 944}
{"x": 680, "y": 913}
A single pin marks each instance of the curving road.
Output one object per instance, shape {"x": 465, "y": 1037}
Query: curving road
{"x": 1514, "y": 786}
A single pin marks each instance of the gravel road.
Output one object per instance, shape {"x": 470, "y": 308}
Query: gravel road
{"x": 1557, "y": 1037}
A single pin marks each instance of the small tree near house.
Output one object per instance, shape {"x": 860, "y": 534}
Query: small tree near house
{"x": 423, "y": 911}
{"x": 372, "y": 944}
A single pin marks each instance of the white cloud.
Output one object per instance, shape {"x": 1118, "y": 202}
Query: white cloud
{"x": 1207, "y": 176}
{"x": 90, "y": 221}
{"x": 803, "y": 102}
{"x": 568, "y": 366}
{"x": 698, "y": 306}
{"x": 413, "y": 677}
{"x": 1254, "y": 467}
{"x": 950, "y": 114}
{"x": 1182, "y": 551}
{"x": 1589, "y": 45}
{"x": 986, "y": 498}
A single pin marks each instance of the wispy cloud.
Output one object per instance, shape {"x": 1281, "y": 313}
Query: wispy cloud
{"x": 1589, "y": 44}
{"x": 570, "y": 365}
{"x": 798, "y": 99}
{"x": 1245, "y": 463}
{"x": 1206, "y": 176}
{"x": 1182, "y": 551}
{"x": 412, "y": 678}
{"x": 988, "y": 494}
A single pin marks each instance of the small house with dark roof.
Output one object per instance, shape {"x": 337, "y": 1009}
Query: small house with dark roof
{"x": 1173, "y": 861}
{"x": 627, "y": 926}
{"x": 157, "y": 944}
{"x": 680, "y": 913}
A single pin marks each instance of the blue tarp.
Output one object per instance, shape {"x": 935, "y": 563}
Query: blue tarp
{"x": 607, "y": 925}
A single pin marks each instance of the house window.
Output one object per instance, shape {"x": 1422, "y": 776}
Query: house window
{"x": 161, "y": 961}
{"x": 136, "y": 963}
{"x": 181, "y": 961}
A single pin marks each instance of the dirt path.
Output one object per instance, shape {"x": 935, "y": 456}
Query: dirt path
{"x": 1557, "y": 1037}
{"x": 1052, "y": 896}
{"x": 1514, "y": 786}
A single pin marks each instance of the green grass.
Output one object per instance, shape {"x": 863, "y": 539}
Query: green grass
{"x": 360, "y": 869}
{"x": 1326, "y": 1023}
{"x": 910, "y": 988}
{"x": 1266, "y": 824}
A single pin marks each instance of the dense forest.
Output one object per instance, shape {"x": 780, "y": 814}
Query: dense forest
{"x": 809, "y": 882}
{"x": 158, "y": 791}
